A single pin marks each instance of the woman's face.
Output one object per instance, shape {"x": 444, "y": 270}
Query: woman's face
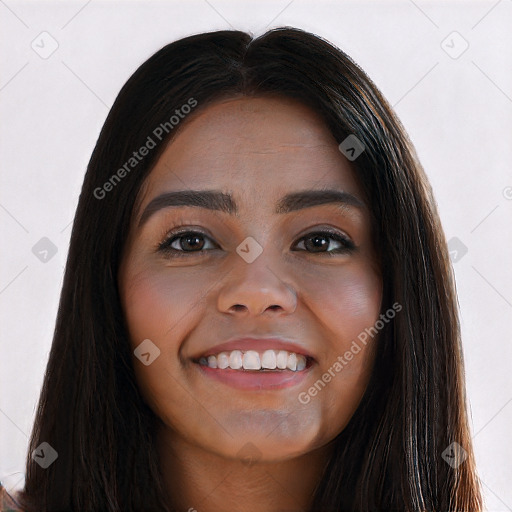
{"x": 255, "y": 266}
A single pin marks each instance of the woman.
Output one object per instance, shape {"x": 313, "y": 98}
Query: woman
{"x": 208, "y": 355}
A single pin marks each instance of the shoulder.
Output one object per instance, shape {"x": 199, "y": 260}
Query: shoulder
{"x": 8, "y": 501}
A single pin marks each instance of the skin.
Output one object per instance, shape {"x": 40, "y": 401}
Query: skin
{"x": 258, "y": 149}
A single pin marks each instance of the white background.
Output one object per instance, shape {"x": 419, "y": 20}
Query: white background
{"x": 457, "y": 111}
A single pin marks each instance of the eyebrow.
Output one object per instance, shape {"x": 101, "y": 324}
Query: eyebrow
{"x": 220, "y": 201}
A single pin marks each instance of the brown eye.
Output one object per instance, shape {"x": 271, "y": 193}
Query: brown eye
{"x": 319, "y": 242}
{"x": 185, "y": 242}
{"x": 195, "y": 242}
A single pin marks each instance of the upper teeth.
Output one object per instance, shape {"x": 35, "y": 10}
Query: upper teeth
{"x": 252, "y": 360}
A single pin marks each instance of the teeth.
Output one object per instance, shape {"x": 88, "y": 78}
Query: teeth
{"x": 235, "y": 360}
{"x": 292, "y": 362}
{"x": 223, "y": 360}
{"x": 268, "y": 360}
{"x": 253, "y": 360}
{"x": 282, "y": 358}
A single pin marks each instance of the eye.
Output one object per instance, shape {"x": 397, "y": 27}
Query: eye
{"x": 179, "y": 244}
{"x": 317, "y": 242}
{"x": 184, "y": 242}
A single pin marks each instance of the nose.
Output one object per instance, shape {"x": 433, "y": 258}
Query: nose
{"x": 255, "y": 287}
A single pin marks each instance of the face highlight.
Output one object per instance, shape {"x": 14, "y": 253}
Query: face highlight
{"x": 253, "y": 263}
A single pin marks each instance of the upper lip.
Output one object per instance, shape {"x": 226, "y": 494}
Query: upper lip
{"x": 257, "y": 343}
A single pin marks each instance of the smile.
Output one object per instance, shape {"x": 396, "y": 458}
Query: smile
{"x": 254, "y": 370}
{"x": 252, "y": 360}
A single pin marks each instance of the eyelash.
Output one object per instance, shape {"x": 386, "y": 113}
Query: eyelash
{"x": 165, "y": 246}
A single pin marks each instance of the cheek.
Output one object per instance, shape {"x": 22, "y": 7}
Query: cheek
{"x": 357, "y": 307}
{"x": 156, "y": 304}
{"x": 159, "y": 305}
{"x": 346, "y": 301}
{"x": 345, "y": 304}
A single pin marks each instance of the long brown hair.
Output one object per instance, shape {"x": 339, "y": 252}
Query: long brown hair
{"x": 390, "y": 455}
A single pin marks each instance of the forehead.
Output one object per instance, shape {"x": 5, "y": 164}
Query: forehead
{"x": 263, "y": 146}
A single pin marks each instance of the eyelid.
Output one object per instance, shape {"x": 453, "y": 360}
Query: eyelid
{"x": 181, "y": 229}
{"x": 335, "y": 234}
{"x": 170, "y": 236}
{"x": 327, "y": 228}
{"x": 185, "y": 226}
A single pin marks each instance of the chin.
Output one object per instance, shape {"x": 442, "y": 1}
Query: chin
{"x": 267, "y": 443}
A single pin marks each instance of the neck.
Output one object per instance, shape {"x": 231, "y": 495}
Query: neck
{"x": 199, "y": 480}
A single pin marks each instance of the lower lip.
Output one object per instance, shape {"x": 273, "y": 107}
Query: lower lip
{"x": 255, "y": 380}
